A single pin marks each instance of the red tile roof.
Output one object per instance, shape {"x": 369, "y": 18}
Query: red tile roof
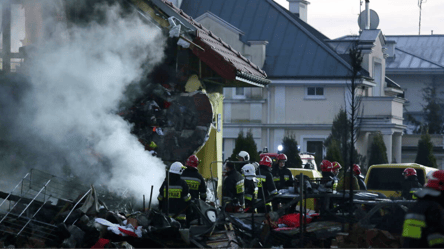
{"x": 220, "y": 56}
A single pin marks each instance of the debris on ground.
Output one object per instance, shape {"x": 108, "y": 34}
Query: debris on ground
{"x": 46, "y": 211}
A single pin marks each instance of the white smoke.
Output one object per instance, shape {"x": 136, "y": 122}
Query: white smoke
{"x": 78, "y": 77}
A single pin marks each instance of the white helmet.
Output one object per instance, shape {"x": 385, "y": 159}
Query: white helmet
{"x": 177, "y": 168}
{"x": 244, "y": 155}
{"x": 248, "y": 170}
{"x": 256, "y": 165}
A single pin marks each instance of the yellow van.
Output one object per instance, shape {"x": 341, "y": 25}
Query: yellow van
{"x": 387, "y": 178}
{"x": 312, "y": 174}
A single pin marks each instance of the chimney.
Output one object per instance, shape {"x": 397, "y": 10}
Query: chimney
{"x": 391, "y": 45}
{"x": 299, "y": 7}
{"x": 367, "y": 11}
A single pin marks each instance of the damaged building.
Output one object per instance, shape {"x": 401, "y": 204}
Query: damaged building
{"x": 96, "y": 97}
{"x": 173, "y": 106}
{"x": 177, "y": 110}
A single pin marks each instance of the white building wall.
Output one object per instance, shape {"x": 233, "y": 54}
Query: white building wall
{"x": 279, "y": 105}
{"x": 303, "y": 110}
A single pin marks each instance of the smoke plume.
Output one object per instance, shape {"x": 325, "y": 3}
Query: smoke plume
{"x": 62, "y": 117}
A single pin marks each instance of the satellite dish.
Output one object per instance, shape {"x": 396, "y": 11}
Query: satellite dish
{"x": 374, "y": 19}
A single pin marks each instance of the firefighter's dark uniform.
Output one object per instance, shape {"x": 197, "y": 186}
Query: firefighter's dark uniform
{"x": 329, "y": 179}
{"x": 266, "y": 187}
{"x": 282, "y": 178}
{"x": 410, "y": 183}
{"x": 179, "y": 197}
{"x": 361, "y": 182}
{"x": 424, "y": 224}
{"x": 196, "y": 183}
{"x": 251, "y": 192}
{"x": 233, "y": 190}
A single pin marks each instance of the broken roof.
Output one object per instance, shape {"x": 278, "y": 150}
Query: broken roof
{"x": 214, "y": 52}
{"x": 295, "y": 49}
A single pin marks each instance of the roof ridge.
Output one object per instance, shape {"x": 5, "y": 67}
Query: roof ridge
{"x": 417, "y": 56}
{"x": 323, "y": 45}
{"x": 419, "y": 36}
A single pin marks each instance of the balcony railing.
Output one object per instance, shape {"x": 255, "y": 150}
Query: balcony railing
{"x": 382, "y": 110}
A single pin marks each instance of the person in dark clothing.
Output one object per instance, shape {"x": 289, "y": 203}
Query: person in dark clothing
{"x": 326, "y": 169}
{"x": 424, "y": 221}
{"x": 233, "y": 189}
{"x": 410, "y": 183}
{"x": 357, "y": 172}
{"x": 282, "y": 176}
{"x": 194, "y": 179}
{"x": 265, "y": 183}
{"x": 251, "y": 189}
{"x": 178, "y": 194}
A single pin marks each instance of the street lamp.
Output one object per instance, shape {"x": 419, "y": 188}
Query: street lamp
{"x": 280, "y": 148}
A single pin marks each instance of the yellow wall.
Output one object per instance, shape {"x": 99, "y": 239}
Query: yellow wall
{"x": 211, "y": 153}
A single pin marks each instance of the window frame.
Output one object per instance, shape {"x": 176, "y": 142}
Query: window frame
{"x": 315, "y": 96}
{"x": 239, "y": 96}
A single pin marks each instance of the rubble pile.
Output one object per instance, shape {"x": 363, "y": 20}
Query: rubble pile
{"x": 44, "y": 211}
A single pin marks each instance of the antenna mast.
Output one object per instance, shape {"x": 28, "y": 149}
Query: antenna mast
{"x": 420, "y": 2}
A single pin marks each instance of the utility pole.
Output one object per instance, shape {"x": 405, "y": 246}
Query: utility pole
{"x": 420, "y": 2}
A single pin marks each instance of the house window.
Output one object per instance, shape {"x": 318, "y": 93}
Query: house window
{"x": 239, "y": 93}
{"x": 314, "y": 92}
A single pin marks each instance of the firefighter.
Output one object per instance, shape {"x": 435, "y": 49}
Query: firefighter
{"x": 265, "y": 183}
{"x": 244, "y": 158}
{"x": 251, "y": 189}
{"x": 336, "y": 167}
{"x": 424, "y": 221}
{"x": 329, "y": 175}
{"x": 357, "y": 172}
{"x": 282, "y": 176}
{"x": 344, "y": 182}
{"x": 194, "y": 179}
{"x": 178, "y": 194}
{"x": 326, "y": 169}
{"x": 233, "y": 189}
{"x": 410, "y": 183}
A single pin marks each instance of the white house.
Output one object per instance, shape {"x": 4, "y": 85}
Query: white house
{"x": 310, "y": 75}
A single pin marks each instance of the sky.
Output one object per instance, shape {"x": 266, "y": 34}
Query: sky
{"x": 336, "y": 18}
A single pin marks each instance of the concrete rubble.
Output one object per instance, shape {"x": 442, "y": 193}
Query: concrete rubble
{"x": 42, "y": 212}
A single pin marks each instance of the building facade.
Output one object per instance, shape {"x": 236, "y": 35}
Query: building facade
{"x": 417, "y": 62}
{"x": 310, "y": 76}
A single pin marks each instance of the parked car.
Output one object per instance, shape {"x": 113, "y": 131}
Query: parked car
{"x": 307, "y": 158}
{"x": 387, "y": 178}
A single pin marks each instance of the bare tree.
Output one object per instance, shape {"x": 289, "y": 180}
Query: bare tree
{"x": 355, "y": 103}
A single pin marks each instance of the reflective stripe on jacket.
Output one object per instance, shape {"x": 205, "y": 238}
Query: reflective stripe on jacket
{"x": 424, "y": 224}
